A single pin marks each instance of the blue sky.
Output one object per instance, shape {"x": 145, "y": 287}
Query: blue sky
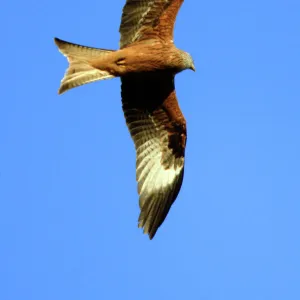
{"x": 69, "y": 205}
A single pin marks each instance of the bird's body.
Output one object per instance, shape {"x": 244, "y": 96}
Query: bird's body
{"x": 147, "y": 63}
{"x": 141, "y": 57}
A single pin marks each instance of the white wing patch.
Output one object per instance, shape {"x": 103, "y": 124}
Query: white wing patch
{"x": 152, "y": 175}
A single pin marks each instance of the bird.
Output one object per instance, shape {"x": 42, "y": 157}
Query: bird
{"x": 146, "y": 62}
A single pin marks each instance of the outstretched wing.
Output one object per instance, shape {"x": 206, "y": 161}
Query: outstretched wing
{"x": 144, "y": 19}
{"x": 158, "y": 129}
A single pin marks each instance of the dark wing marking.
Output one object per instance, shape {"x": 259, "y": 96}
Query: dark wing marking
{"x": 158, "y": 129}
{"x": 145, "y": 19}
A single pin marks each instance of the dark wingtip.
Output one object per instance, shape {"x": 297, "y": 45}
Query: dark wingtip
{"x": 57, "y": 41}
{"x": 151, "y": 233}
{"x": 62, "y": 89}
{"x": 60, "y": 43}
{"x": 151, "y": 236}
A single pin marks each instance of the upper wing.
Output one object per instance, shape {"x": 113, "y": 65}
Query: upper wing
{"x": 143, "y": 19}
{"x": 158, "y": 129}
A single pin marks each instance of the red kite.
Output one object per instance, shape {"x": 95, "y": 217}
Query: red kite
{"x": 147, "y": 63}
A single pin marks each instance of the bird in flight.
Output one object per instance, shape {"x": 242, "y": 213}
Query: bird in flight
{"x": 147, "y": 63}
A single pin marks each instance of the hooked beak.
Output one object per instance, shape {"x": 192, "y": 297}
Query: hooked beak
{"x": 193, "y": 68}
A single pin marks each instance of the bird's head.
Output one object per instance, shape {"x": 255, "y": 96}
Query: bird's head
{"x": 188, "y": 61}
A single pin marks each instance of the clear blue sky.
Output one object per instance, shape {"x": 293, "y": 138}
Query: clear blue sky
{"x": 69, "y": 206}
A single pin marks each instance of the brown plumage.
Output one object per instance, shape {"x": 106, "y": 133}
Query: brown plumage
{"x": 147, "y": 63}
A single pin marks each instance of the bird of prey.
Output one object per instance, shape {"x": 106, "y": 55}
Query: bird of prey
{"x": 147, "y": 63}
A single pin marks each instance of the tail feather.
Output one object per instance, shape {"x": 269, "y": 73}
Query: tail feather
{"x": 80, "y": 70}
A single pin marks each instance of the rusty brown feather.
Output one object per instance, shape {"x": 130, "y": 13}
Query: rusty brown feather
{"x": 147, "y": 63}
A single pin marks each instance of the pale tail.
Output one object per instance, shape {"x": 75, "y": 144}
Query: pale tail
{"x": 80, "y": 71}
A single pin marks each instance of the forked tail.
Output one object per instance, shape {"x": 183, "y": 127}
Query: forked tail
{"x": 80, "y": 70}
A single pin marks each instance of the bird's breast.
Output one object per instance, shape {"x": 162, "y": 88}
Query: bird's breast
{"x": 146, "y": 58}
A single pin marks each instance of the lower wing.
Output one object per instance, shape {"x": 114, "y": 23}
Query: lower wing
{"x": 158, "y": 130}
